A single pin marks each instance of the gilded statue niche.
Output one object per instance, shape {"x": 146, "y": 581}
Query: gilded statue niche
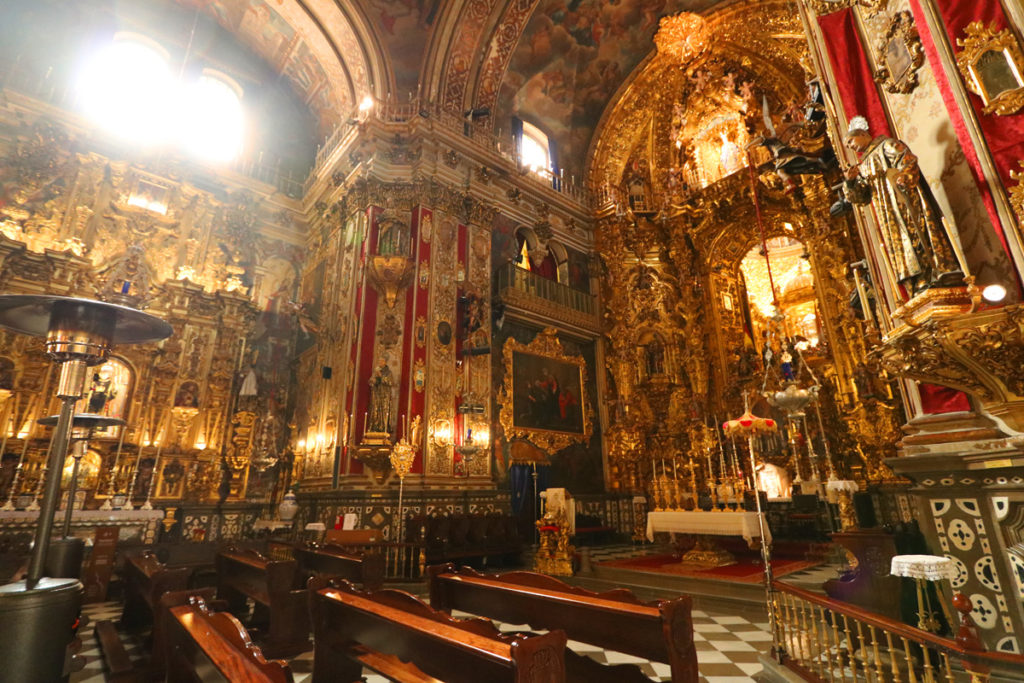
{"x": 544, "y": 398}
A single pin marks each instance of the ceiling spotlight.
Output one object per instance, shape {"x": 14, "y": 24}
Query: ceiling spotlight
{"x": 366, "y": 104}
{"x": 994, "y": 293}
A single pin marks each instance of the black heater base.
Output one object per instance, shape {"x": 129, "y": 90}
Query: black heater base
{"x": 37, "y": 627}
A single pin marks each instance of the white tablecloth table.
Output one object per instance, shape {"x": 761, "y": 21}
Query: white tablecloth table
{"x": 707, "y": 523}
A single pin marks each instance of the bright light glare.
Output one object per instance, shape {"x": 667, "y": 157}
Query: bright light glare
{"x": 994, "y": 293}
{"x": 211, "y": 121}
{"x": 366, "y": 104}
{"x": 126, "y": 89}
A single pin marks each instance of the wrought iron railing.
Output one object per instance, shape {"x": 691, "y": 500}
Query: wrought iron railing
{"x": 519, "y": 279}
{"x": 826, "y": 640}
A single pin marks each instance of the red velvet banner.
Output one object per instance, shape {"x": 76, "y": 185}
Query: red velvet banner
{"x": 1004, "y": 134}
{"x": 850, "y": 65}
{"x": 942, "y": 80}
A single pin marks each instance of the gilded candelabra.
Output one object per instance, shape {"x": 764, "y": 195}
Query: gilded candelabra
{"x": 403, "y": 454}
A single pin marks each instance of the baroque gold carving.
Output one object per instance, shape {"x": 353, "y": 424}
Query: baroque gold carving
{"x": 871, "y": 7}
{"x": 545, "y": 345}
{"x": 992, "y": 67}
{"x": 1017, "y": 193}
{"x": 682, "y": 37}
{"x": 899, "y": 55}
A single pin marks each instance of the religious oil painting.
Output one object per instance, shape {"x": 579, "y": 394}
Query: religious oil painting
{"x": 898, "y": 58}
{"x": 544, "y": 399}
{"x": 546, "y": 394}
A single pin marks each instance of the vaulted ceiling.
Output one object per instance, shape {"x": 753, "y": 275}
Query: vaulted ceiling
{"x": 557, "y": 63}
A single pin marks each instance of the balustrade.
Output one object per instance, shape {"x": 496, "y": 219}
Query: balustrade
{"x": 821, "y": 639}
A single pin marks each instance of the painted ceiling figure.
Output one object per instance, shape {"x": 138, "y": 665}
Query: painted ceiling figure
{"x": 888, "y": 178}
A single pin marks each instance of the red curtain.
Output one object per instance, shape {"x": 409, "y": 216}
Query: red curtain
{"x": 854, "y": 80}
{"x": 548, "y": 268}
{"x": 1004, "y": 134}
{"x": 860, "y": 96}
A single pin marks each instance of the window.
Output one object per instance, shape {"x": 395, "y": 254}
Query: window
{"x": 535, "y": 150}
{"x": 129, "y": 90}
{"x": 211, "y": 124}
{"x": 126, "y": 89}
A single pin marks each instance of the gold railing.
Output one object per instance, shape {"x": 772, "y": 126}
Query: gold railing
{"x": 825, "y": 640}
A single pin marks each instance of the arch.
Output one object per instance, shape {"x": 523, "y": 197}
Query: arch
{"x": 328, "y": 52}
{"x": 642, "y": 106}
{"x": 109, "y": 391}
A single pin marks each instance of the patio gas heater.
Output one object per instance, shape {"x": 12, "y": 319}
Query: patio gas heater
{"x": 38, "y": 615}
{"x": 64, "y": 558}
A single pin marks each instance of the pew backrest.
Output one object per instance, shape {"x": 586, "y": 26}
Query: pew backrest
{"x": 660, "y": 630}
{"x": 397, "y": 625}
{"x": 205, "y": 646}
{"x": 332, "y": 560}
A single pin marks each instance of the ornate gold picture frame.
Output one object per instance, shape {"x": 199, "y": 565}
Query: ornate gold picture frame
{"x": 992, "y": 66}
{"x": 544, "y": 398}
{"x": 899, "y": 55}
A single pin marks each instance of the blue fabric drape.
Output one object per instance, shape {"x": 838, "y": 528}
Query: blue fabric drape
{"x": 520, "y": 479}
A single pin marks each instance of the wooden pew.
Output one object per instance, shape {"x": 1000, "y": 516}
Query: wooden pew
{"x": 214, "y": 646}
{"x": 405, "y": 640}
{"x": 118, "y": 663}
{"x": 332, "y": 560}
{"x": 274, "y": 585}
{"x": 146, "y": 579}
{"x": 661, "y": 630}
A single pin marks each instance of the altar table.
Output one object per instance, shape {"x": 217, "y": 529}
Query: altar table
{"x": 707, "y": 523}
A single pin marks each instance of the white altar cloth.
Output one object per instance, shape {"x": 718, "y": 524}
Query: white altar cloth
{"x": 710, "y": 523}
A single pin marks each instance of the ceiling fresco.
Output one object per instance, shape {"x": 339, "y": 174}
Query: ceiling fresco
{"x": 404, "y": 28}
{"x": 571, "y": 59}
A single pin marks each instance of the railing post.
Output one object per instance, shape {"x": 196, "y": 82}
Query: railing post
{"x": 968, "y": 637}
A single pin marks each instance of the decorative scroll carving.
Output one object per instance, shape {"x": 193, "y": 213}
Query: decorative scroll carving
{"x": 899, "y": 55}
{"x": 992, "y": 67}
{"x": 871, "y": 7}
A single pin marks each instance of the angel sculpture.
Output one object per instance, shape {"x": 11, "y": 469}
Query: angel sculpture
{"x": 789, "y": 161}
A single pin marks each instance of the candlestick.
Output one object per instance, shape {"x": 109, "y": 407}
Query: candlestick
{"x": 111, "y": 489}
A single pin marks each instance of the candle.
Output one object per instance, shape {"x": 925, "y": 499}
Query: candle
{"x": 675, "y": 472}
{"x": 366, "y": 415}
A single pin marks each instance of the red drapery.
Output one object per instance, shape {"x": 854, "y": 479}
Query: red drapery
{"x": 1004, "y": 134}
{"x": 854, "y": 79}
{"x": 856, "y": 86}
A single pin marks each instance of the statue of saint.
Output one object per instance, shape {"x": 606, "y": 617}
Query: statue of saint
{"x": 913, "y": 234}
{"x": 380, "y": 400}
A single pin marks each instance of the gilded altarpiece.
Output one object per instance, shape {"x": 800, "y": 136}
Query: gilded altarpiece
{"x": 218, "y": 265}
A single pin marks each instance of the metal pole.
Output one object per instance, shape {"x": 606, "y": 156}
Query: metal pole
{"x": 80, "y": 447}
{"x": 766, "y": 552}
{"x": 61, "y": 436}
